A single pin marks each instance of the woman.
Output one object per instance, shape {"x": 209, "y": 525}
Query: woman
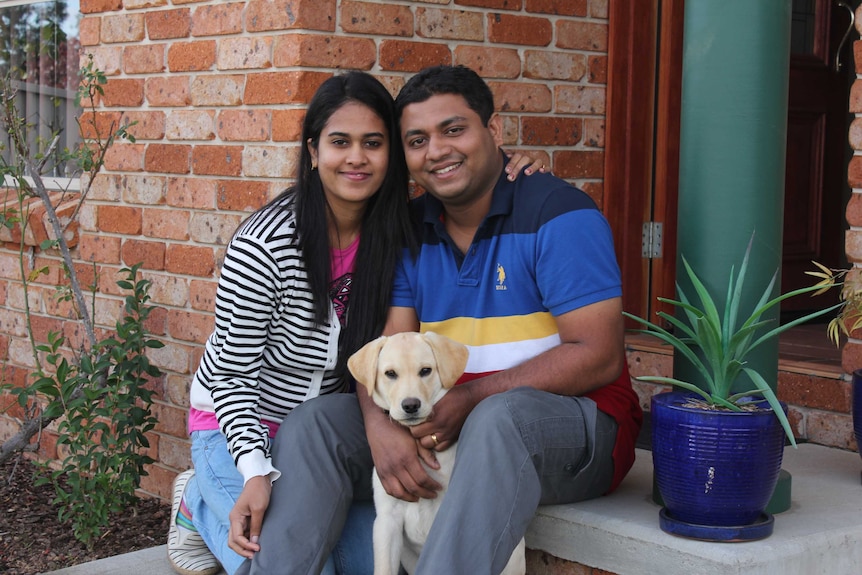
{"x": 305, "y": 282}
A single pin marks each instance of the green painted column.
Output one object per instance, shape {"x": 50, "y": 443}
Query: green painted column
{"x": 732, "y": 149}
{"x": 736, "y": 61}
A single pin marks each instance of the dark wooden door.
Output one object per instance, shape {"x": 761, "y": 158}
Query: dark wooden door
{"x": 817, "y": 151}
{"x": 642, "y": 142}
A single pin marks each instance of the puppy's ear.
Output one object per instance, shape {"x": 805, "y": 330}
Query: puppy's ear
{"x": 363, "y": 363}
{"x": 451, "y": 357}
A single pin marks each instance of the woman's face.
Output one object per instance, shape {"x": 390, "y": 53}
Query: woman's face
{"x": 352, "y": 155}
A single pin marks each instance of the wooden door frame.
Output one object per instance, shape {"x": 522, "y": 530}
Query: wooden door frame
{"x": 642, "y": 141}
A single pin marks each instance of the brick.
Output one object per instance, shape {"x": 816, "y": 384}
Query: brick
{"x": 169, "y": 92}
{"x": 122, "y": 157}
{"x": 511, "y": 130}
{"x": 853, "y": 246}
{"x": 170, "y": 224}
{"x": 217, "y": 19}
{"x": 594, "y": 132}
{"x": 213, "y": 228}
{"x": 145, "y": 125}
{"x": 282, "y": 87}
{"x": 99, "y": 125}
{"x": 489, "y": 62}
{"x": 108, "y": 59}
{"x": 98, "y": 248}
{"x": 192, "y": 56}
{"x": 157, "y": 321}
{"x": 106, "y": 187}
{"x": 173, "y": 452}
{"x": 854, "y": 172}
{"x": 151, "y": 255}
{"x": 377, "y": 19}
{"x": 579, "y": 164}
{"x": 449, "y": 24}
{"x": 497, "y": 4}
{"x": 543, "y": 65}
{"x": 148, "y": 190}
{"x": 120, "y": 220}
{"x": 190, "y": 326}
{"x": 177, "y": 390}
{"x": 89, "y": 29}
{"x": 190, "y": 260}
{"x": 815, "y": 392}
{"x": 266, "y": 15}
{"x": 579, "y": 35}
{"x": 217, "y": 160}
{"x": 854, "y": 209}
{"x": 219, "y": 90}
{"x": 159, "y": 481}
{"x": 192, "y": 193}
{"x": 190, "y": 125}
{"x": 172, "y": 420}
{"x": 270, "y": 161}
{"x": 558, "y": 7}
{"x": 244, "y": 53}
{"x": 522, "y": 30}
{"x": 93, "y": 6}
{"x": 123, "y": 92}
{"x": 598, "y": 69}
{"x": 138, "y": 4}
{"x": 406, "y": 56}
{"x": 580, "y": 99}
{"x": 832, "y": 429}
{"x": 851, "y": 354}
{"x": 287, "y": 125}
{"x": 313, "y": 50}
{"x": 202, "y": 295}
{"x": 122, "y": 28}
{"x": 553, "y": 131}
{"x": 169, "y": 158}
{"x": 14, "y": 322}
{"x": 168, "y": 24}
{"x": 146, "y": 59}
{"x": 599, "y": 9}
{"x": 855, "y": 134}
{"x": 242, "y": 195}
{"x": 244, "y": 125}
{"x": 168, "y": 289}
{"x": 521, "y": 97}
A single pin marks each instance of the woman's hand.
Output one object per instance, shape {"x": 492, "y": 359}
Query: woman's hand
{"x": 246, "y": 516}
{"x": 517, "y": 162}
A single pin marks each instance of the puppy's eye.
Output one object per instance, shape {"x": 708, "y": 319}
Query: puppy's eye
{"x": 390, "y": 374}
{"x": 425, "y": 372}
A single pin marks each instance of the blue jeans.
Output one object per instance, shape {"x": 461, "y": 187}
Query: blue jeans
{"x": 215, "y": 487}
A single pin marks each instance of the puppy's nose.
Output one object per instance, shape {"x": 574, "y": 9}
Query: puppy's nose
{"x": 410, "y": 404}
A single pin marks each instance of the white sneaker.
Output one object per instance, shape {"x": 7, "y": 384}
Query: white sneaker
{"x": 187, "y": 552}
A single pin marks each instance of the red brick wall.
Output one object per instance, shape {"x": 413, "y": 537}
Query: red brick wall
{"x": 218, "y": 89}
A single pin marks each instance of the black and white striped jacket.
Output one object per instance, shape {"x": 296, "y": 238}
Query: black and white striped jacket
{"x": 266, "y": 356}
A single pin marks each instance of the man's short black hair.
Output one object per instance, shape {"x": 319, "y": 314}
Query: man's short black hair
{"x": 458, "y": 80}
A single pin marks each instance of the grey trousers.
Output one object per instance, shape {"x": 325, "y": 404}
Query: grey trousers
{"x": 517, "y": 450}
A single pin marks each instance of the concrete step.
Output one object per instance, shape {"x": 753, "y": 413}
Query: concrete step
{"x": 620, "y": 534}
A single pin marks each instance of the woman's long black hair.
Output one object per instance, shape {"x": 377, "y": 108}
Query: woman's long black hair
{"x": 385, "y": 227}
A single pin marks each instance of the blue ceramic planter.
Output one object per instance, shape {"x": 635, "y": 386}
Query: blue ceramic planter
{"x": 714, "y": 468}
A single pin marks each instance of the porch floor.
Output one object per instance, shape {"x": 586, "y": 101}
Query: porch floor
{"x": 820, "y": 533}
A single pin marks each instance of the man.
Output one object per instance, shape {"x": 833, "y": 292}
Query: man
{"x": 525, "y": 275}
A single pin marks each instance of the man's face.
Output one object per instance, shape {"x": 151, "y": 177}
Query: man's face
{"x": 449, "y": 151}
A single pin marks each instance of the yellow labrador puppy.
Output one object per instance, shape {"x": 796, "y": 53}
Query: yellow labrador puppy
{"x": 406, "y": 374}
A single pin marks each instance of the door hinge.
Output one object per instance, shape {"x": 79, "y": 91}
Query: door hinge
{"x": 651, "y": 240}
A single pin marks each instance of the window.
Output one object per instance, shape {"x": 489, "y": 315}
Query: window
{"x": 39, "y": 59}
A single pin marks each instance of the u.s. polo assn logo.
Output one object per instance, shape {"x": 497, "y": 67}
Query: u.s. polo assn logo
{"x": 501, "y": 278}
